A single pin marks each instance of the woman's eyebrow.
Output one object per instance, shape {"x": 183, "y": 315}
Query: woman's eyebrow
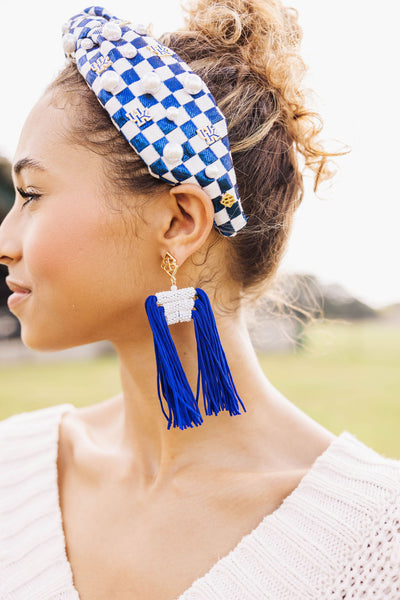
{"x": 27, "y": 163}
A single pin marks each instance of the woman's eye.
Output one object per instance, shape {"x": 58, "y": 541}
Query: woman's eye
{"x": 31, "y": 197}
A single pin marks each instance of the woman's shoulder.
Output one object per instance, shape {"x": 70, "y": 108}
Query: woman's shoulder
{"x": 351, "y": 467}
{"x": 29, "y": 421}
{"x": 30, "y": 518}
{"x": 28, "y": 454}
{"x": 367, "y": 457}
{"x": 357, "y": 493}
{"x": 29, "y": 434}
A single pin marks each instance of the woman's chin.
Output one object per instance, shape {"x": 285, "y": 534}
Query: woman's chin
{"x": 43, "y": 343}
{"x": 44, "y": 339}
{"x": 40, "y": 345}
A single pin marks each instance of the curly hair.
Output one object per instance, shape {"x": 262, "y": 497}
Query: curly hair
{"x": 247, "y": 52}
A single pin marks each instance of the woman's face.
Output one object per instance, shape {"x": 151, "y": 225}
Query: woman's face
{"x": 80, "y": 259}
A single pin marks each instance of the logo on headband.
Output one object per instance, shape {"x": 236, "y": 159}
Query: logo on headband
{"x": 160, "y": 50}
{"x": 139, "y": 116}
{"x": 101, "y": 64}
{"x": 208, "y": 134}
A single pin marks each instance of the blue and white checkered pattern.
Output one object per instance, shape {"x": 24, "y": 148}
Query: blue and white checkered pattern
{"x": 173, "y": 124}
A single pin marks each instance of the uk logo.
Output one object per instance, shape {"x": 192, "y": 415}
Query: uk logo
{"x": 160, "y": 50}
{"x": 101, "y": 64}
{"x": 208, "y": 134}
{"x": 140, "y": 116}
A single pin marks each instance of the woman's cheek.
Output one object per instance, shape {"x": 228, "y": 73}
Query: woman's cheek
{"x": 61, "y": 245}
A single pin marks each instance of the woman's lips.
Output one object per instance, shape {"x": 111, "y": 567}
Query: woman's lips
{"x": 16, "y": 298}
{"x": 16, "y": 287}
{"x": 20, "y": 293}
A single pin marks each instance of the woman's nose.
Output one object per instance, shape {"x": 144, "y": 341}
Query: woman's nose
{"x": 10, "y": 247}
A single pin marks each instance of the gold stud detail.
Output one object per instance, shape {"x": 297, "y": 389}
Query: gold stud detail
{"x": 228, "y": 200}
{"x": 101, "y": 64}
{"x": 170, "y": 266}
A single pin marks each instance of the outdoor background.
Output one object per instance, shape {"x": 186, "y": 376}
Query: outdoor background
{"x": 344, "y": 244}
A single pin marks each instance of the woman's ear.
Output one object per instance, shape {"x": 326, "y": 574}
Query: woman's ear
{"x": 191, "y": 221}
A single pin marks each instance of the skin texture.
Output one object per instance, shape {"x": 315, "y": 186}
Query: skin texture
{"x": 138, "y": 499}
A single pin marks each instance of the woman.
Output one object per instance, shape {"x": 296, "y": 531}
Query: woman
{"x": 112, "y": 500}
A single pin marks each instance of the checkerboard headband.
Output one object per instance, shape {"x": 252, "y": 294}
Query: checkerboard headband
{"x": 163, "y": 109}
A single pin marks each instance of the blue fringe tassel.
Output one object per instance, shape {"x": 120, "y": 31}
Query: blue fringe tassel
{"x": 219, "y": 391}
{"x": 172, "y": 383}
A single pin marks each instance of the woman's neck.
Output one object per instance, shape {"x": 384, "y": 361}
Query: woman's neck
{"x": 154, "y": 453}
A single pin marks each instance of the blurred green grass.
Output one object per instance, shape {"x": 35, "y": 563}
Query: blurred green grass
{"x": 346, "y": 376}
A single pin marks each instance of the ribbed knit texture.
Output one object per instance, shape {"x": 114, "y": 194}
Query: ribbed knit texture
{"x": 336, "y": 536}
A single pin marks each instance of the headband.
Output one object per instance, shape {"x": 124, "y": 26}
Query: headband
{"x": 163, "y": 109}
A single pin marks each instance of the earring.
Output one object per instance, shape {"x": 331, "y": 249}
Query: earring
{"x": 214, "y": 376}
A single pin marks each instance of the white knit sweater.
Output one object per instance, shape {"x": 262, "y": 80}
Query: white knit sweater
{"x": 336, "y": 536}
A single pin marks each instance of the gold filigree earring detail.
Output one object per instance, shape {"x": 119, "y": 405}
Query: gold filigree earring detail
{"x": 170, "y": 266}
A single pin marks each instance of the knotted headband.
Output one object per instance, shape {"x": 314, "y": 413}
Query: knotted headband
{"x": 164, "y": 110}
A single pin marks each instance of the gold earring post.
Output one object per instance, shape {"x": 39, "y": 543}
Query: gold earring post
{"x": 170, "y": 266}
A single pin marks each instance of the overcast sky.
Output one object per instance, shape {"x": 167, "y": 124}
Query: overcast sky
{"x": 350, "y": 237}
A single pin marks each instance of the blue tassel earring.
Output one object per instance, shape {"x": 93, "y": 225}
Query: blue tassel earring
{"x": 219, "y": 391}
{"x": 214, "y": 376}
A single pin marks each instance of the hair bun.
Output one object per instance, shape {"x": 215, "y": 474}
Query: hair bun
{"x": 257, "y": 40}
{"x": 259, "y": 29}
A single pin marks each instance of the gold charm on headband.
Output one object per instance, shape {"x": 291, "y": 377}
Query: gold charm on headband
{"x": 101, "y": 64}
{"x": 227, "y": 200}
{"x": 160, "y": 50}
{"x": 139, "y": 116}
{"x": 122, "y": 22}
{"x": 208, "y": 134}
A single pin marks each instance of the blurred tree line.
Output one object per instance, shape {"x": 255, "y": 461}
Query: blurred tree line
{"x": 6, "y": 201}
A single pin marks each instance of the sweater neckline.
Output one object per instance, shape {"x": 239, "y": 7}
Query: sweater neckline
{"x": 186, "y": 595}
